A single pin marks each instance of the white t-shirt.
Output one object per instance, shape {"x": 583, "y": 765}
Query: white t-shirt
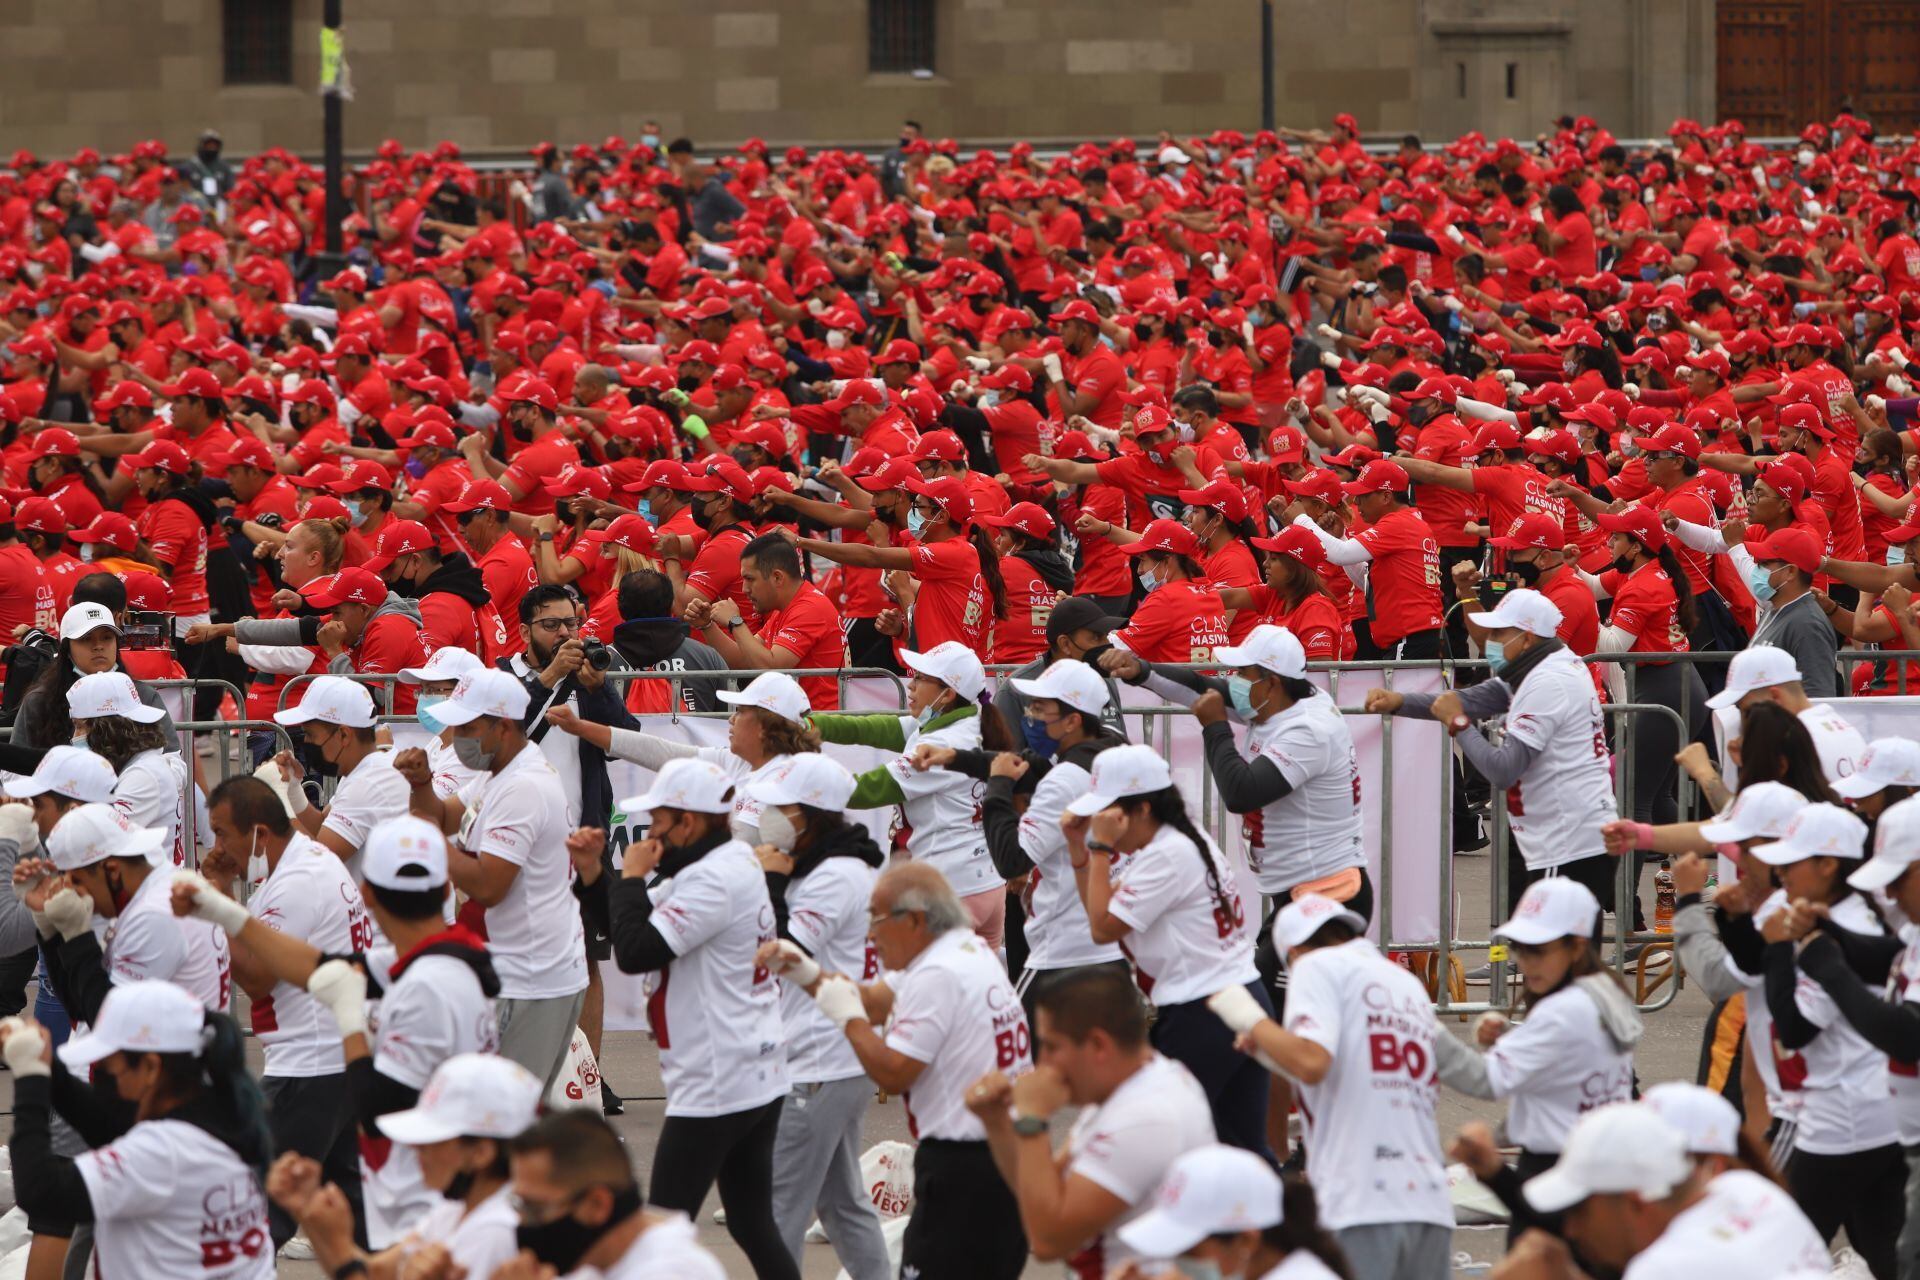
{"x": 533, "y": 933}
{"x": 715, "y": 1013}
{"x": 369, "y": 795}
{"x": 1557, "y": 808}
{"x": 1555, "y": 1067}
{"x": 954, "y": 1010}
{"x": 450, "y": 777}
{"x": 432, "y": 1011}
{"x": 1838, "y": 743}
{"x": 1767, "y": 1057}
{"x": 1301, "y": 1265}
{"x": 1314, "y": 830}
{"x": 147, "y": 941}
{"x": 745, "y": 821}
{"x": 1125, "y": 1145}
{"x": 943, "y": 808}
{"x": 1846, "y": 1104}
{"x": 1903, "y": 987}
{"x": 668, "y": 1250}
{"x": 152, "y": 792}
{"x": 1184, "y": 944}
{"x": 827, "y": 915}
{"x": 308, "y": 896}
{"x": 170, "y": 1199}
{"x": 562, "y": 750}
{"x": 1370, "y": 1134}
{"x": 480, "y": 1241}
{"x": 1743, "y": 1226}
{"x": 1058, "y": 935}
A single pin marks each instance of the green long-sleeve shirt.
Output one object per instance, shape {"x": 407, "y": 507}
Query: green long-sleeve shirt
{"x": 887, "y": 732}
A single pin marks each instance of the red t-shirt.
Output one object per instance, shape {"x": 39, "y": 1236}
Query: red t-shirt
{"x": 1023, "y": 636}
{"x": 953, "y": 603}
{"x": 1099, "y": 374}
{"x": 1644, "y": 604}
{"x": 1404, "y": 578}
{"x": 58, "y": 573}
{"x": 715, "y": 572}
{"x": 1232, "y": 566}
{"x": 391, "y": 643}
{"x": 507, "y": 571}
{"x": 1183, "y": 621}
{"x": 809, "y": 629}
{"x": 1447, "y": 511}
{"x": 19, "y": 588}
{"x": 1579, "y": 614}
{"x": 1104, "y": 569}
{"x": 178, "y": 540}
{"x": 536, "y": 464}
{"x": 1316, "y": 623}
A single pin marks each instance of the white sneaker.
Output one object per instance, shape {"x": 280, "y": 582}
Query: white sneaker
{"x": 298, "y": 1249}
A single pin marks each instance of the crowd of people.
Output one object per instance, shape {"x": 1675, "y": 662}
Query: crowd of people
{"x": 454, "y": 523}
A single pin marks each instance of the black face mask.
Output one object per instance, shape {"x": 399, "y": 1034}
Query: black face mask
{"x": 1217, "y": 339}
{"x": 746, "y": 458}
{"x": 1420, "y": 414}
{"x": 688, "y": 382}
{"x": 703, "y": 516}
{"x": 1092, "y": 656}
{"x": 1527, "y": 572}
{"x": 564, "y": 1241}
{"x": 460, "y": 1184}
{"x": 563, "y": 510}
{"x": 1623, "y": 564}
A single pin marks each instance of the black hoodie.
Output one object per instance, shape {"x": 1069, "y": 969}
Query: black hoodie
{"x": 852, "y": 840}
{"x": 1051, "y": 566}
{"x": 457, "y": 577}
{"x": 667, "y": 644}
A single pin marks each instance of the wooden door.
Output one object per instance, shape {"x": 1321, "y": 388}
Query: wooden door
{"x": 1784, "y": 63}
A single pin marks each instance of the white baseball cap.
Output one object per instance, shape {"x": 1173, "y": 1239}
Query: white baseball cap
{"x": 406, "y": 854}
{"x": 1817, "y": 831}
{"x": 1524, "y": 608}
{"x": 774, "y": 691}
{"x": 1211, "y": 1190}
{"x": 1300, "y": 919}
{"x": 470, "y": 1095}
{"x": 448, "y": 662}
{"x": 1706, "y": 1120}
{"x": 1760, "y": 667}
{"x": 80, "y": 619}
{"x": 810, "y": 778}
{"x": 1887, "y": 762}
{"x": 1119, "y": 772}
{"x": 485, "y": 692}
{"x": 74, "y": 772}
{"x": 1623, "y": 1146}
{"x": 1896, "y": 846}
{"x": 1555, "y": 907}
{"x": 1070, "y": 681}
{"x": 1760, "y": 809}
{"x": 109, "y": 693}
{"x": 952, "y": 664}
{"x": 331, "y": 700}
{"x": 90, "y": 833}
{"x": 695, "y": 786}
{"x": 1268, "y": 647}
{"x": 150, "y": 1016}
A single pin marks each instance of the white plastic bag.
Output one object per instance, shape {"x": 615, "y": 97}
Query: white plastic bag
{"x": 886, "y": 1171}
{"x": 1473, "y": 1204}
{"x": 577, "y": 1087}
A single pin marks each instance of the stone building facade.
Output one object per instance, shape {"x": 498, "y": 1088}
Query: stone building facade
{"x": 503, "y": 74}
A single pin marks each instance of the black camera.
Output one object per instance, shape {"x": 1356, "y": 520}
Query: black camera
{"x": 147, "y": 629}
{"x": 597, "y": 655}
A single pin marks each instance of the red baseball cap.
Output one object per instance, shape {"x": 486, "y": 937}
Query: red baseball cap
{"x": 538, "y": 391}
{"x": 1785, "y": 481}
{"x": 54, "y": 442}
{"x": 948, "y": 492}
{"x": 857, "y": 391}
{"x": 362, "y": 473}
{"x": 1166, "y": 535}
{"x": 121, "y": 395}
{"x": 312, "y": 391}
{"x": 629, "y": 531}
{"x": 1795, "y": 546}
{"x": 1028, "y": 517}
{"x": 1077, "y": 445}
{"x": 575, "y": 482}
{"x": 724, "y": 476}
{"x": 111, "y": 528}
{"x": 899, "y": 351}
{"x": 482, "y": 495}
{"x": 1556, "y": 394}
{"x": 195, "y": 382}
{"x": 396, "y": 539}
{"x": 767, "y": 435}
{"x": 1079, "y": 309}
{"x": 42, "y": 515}
{"x": 662, "y": 473}
{"x": 1560, "y": 445}
{"x": 1318, "y": 483}
{"x": 318, "y": 477}
{"x": 1301, "y": 544}
{"x": 939, "y": 446}
{"x": 1672, "y": 438}
{"x": 425, "y": 432}
{"x": 349, "y": 586}
{"x": 1637, "y": 522}
{"x": 1379, "y": 476}
{"x": 894, "y": 473}
{"x": 247, "y": 451}
{"x": 161, "y": 455}
{"x": 1229, "y": 499}
{"x": 1495, "y": 437}
{"x": 147, "y": 591}
{"x": 1803, "y": 417}
{"x": 1532, "y": 529}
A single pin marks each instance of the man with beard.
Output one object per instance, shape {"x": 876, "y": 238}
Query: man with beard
{"x": 554, "y": 668}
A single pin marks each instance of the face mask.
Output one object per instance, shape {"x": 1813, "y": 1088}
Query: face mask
{"x": 473, "y": 755}
{"x": 1760, "y": 582}
{"x": 1038, "y": 740}
{"x": 1896, "y": 555}
{"x": 1496, "y": 655}
{"x": 1184, "y": 431}
{"x": 915, "y": 521}
{"x": 1148, "y": 582}
{"x": 564, "y": 1241}
{"x": 777, "y": 829}
{"x": 86, "y": 553}
{"x": 357, "y": 510}
{"x": 428, "y": 721}
{"x": 1570, "y": 367}
{"x": 1197, "y": 1269}
{"x": 926, "y": 715}
{"x": 988, "y": 399}
{"x": 1804, "y": 155}
{"x": 1240, "y": 693}
{"x": 650, "y": 139}
{"x": 1622, "y": 564}
{"x": 1161, "y": 453}
{"x": 416, "y": 468}
{"x": 1420, "y": 414}
{"x": 80, "y": 741}
{"x": 836, "y": 340}
{"x": 1526, "y": 572}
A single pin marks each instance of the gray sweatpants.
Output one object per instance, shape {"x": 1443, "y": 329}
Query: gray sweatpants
{"x": 536, "y": 1033}
{"x": 816, "y": 1166}
{"x": 1398, "y": 1250}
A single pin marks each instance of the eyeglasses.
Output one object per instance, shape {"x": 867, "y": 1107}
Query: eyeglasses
{"x": 876, "y": 918}
{"x": 553, "y": 626}
{"x": 534, "y": 1213}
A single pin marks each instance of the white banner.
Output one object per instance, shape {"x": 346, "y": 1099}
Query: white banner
{"x": 1417, "y": 768}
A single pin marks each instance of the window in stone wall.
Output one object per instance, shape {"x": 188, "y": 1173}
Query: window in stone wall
{"x": 900, "y": 36}
{"x": 256, "y": 41}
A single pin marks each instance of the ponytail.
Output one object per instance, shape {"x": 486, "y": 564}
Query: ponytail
{"x": 1684, "y": 607}
{"x": 1299, "y": 1228}
{"x": 219, "y": 1073}
{"x": 990, "y": 568}
{"x": 1167, "y": 808}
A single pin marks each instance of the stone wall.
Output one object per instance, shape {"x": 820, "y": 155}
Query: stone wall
{"x": 502, "y": 74}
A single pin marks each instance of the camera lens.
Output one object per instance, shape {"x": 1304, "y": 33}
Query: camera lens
{"x": 598, "y": 656}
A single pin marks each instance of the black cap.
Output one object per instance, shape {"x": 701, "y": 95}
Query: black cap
{"x": 1077, "y": 613}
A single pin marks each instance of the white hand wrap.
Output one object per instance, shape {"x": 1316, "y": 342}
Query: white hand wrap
{"x": 211, "y": 905}
{"x": 343, "y": 989}
{"x": 1237, "y": 1008}
{"x": 840, "y": 1000}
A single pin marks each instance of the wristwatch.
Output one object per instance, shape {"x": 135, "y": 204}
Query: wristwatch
{"x": 1029, "y": 1126}
{"x": 547, "y": 536}
{"x": 736, "y": 621}
{"x": 1100, "y": 846}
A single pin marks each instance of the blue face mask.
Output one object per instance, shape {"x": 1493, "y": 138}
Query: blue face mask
{"x": 915, "y": 521}
{"x": 646, "y": 513}
{"x": 1240, "y": 693}
{"x": 1896, "y": 555}
{"x": 1496, "y": 655}
{"x": 1038, "y": 741}
{"x": 1760, "y": 582}
{"x": 429, "y": 721}
{"x": 650, "y": 139}
{"x": 925, "y": 715}
{"x": 416, "y": 468}
{"x": 1149, "y": 583}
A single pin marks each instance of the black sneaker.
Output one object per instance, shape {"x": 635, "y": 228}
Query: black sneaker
{"x": 611, "y": 1103}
